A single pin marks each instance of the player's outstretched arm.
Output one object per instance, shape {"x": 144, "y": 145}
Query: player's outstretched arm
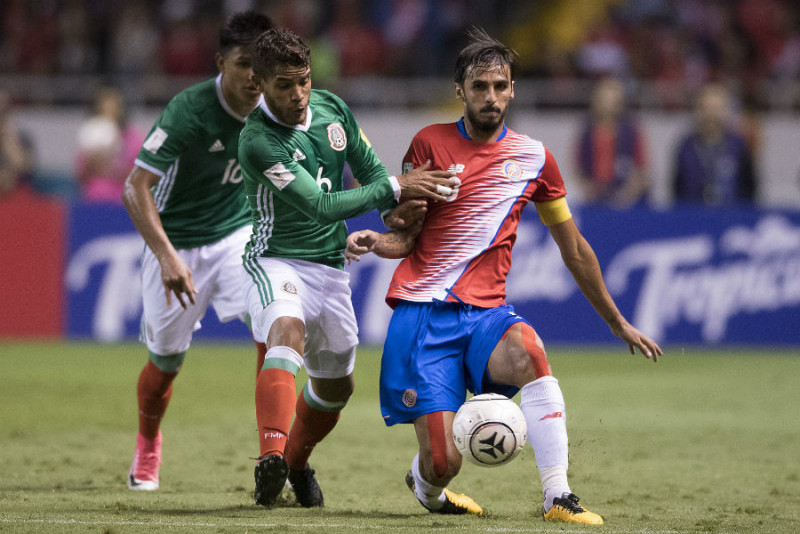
{"x": 421, "y": 182}
{"x": 138, "y": 200}
{"x": 581, "y": 261}
{"x": 393, "y": 244}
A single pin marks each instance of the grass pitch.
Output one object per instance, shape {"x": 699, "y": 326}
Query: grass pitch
{"x": 700, "y": 442}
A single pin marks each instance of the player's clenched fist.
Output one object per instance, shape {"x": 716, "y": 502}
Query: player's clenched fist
{"x": 360, "y": 243}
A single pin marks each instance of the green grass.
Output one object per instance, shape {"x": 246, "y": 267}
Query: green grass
{"x": 701, "y": 442}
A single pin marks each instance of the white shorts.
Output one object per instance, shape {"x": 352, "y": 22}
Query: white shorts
{"x": 219, "y": 278}
{"x": 316, "y": 294}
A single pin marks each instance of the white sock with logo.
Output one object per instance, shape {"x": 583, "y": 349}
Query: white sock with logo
{"x": 431, "y": 496}
{"x": 542, "y": 403}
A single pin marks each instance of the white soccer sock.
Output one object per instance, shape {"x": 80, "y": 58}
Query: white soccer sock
{"x": 431, "y": 496}
{"x": 542, "y": 403}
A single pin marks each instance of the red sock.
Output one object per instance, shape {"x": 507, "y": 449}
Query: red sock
{"x": 261, "y": 354}
{"x": 309, "y": 428}
{"x": 275, "y": 392}
{"x": 153, "y": 391}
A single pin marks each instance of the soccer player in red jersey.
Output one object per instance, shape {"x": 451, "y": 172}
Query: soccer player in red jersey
{"x": 451, "y": 329}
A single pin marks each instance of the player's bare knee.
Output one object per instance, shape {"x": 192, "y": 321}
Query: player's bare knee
{"x": 520, "y": 362}
{"x": 289, "y": 332}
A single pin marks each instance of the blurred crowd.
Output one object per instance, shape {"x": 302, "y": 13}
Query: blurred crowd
{"x": 668, "y": 42}
{"x": 714, "y": 57}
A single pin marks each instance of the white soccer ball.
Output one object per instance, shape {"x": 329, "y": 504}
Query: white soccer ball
{"x": 489, "y": 430}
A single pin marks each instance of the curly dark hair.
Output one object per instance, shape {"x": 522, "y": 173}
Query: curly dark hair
{"x": 279, "y": 47}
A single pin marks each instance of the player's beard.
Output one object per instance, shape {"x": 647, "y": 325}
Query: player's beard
{"x": 486, "y": 125}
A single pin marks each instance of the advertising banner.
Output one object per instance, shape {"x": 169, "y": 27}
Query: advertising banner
{"x": 688, "y": 276}
{"x": 31, "y": 266}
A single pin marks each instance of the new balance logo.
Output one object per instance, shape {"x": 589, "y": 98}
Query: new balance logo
{"x": 456, "y": 168}
{"x": 298, "y": 156}
{"x": 554, "y": 415}
{"x": 217, "y": 146}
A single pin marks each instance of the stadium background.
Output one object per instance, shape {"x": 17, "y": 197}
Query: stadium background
{"x": 689, "y": 275}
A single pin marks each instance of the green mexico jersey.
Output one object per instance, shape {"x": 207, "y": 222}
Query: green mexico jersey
{"x": 293, "y": 178}
{"x": 193, "y": 146}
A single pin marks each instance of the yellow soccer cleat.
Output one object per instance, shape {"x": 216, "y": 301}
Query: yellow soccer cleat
{"x": 567, "y": 510}
{"x": 455, "y": 503}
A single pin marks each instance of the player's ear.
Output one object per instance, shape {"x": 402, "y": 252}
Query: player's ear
{"x": 459, "y": 92}
{"x": 512, "y": 90}
{"x": 259, "y": 83}
{"x": 219, "y": 59}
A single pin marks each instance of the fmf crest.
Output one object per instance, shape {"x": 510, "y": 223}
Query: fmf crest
{"x": 337, "y": 137}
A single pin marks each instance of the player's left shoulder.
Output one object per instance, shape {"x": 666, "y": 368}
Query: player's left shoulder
{"x": 322, "y": 98}
{"x": 524, "y": 143}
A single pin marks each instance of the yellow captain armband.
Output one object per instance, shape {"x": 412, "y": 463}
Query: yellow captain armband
{"x": 553, "y": 211}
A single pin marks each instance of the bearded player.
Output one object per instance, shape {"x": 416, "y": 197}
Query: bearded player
{"x": 451, "y": 330}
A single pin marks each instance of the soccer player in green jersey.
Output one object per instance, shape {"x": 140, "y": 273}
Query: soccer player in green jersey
{"x": 292, "y": 151}
{"x": 185, "y": 196}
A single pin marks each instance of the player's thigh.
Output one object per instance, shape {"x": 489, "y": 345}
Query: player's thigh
{"x": 331, "y": 327}
{"x": 230, "y": 279}
{"x": 491, "y": 326}
{"x": 519, "y": 357}
{"x": 167, "y": 329}
{"x": 273, "y": 290}
{"x": 422, "y": 367}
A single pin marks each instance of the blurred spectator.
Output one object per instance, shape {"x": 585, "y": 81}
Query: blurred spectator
{"x": 672, "y": 46}
{"x": 76, "y": 51}
{"x": 611, "y": 150}
{"x": 603, "y": 53}
{"x": 107, "y": 148}
{"x": 134, "y": 41}
{"x": 184, "y": 48}
{"x": 16, "y": 156}
{"x": 714, "y": 164}
{"x": 30, "y": 41}
{"x": 362, "y": 49}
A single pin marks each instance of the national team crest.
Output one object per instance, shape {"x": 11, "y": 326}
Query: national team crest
{"x": 409, "y": 398}
{"x": 512, "y": 169}
{"x": 289, "y": 287}
{"x": 337, "y": 137}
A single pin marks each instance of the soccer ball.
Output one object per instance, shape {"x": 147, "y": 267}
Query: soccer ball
{"x": 489, "y": 430}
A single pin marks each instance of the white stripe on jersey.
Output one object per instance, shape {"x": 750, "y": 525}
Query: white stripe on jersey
{"x": 263, "y": 231}
{"x": 165, "y": 185}
{"x": 463, "y": 230}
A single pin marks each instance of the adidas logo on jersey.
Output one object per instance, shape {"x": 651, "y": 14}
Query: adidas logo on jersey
{"x": 298, "y": 156}
{"x": 217, "y": 146}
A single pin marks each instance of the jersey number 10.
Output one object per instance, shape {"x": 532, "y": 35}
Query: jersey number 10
{"x": 233, "y": 172}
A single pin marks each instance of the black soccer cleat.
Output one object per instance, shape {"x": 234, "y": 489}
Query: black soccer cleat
{"x": 454, "y": 504}
{"x": 270, "y": 474}
{"x": 306, "y": 488}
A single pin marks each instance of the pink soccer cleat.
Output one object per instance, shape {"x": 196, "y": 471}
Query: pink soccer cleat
{"x": 143, "y": 475}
